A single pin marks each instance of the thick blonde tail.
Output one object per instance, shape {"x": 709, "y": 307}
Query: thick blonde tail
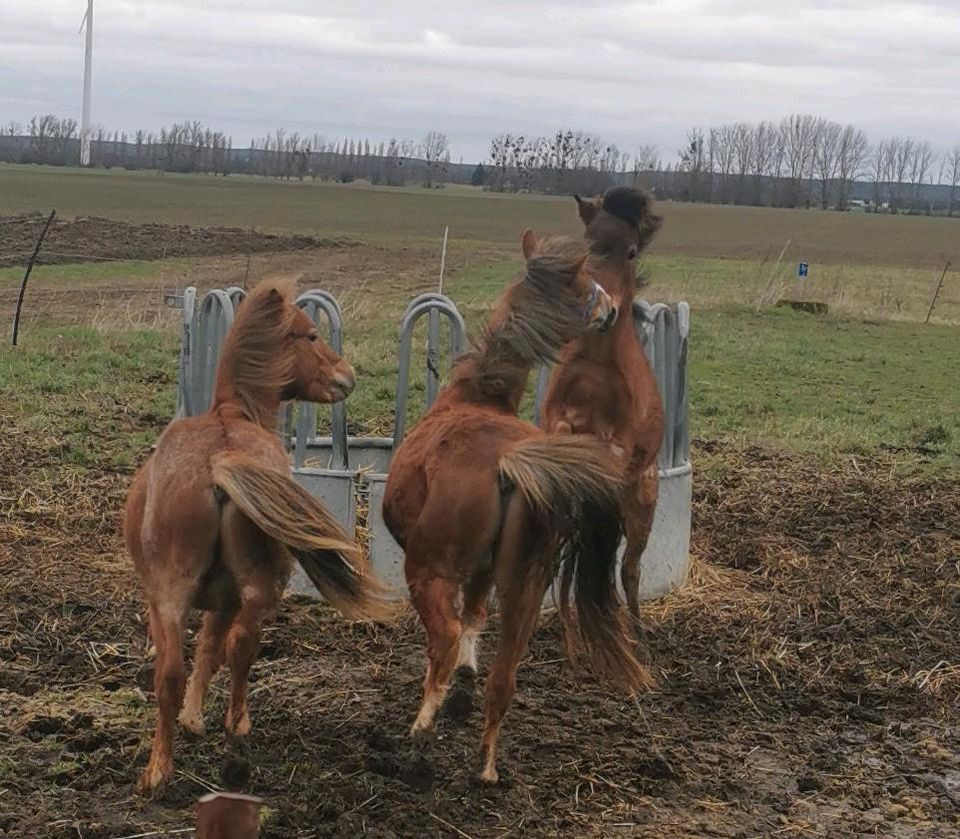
{"x": 573, "y": 487}
{"x": 288, "y": 514}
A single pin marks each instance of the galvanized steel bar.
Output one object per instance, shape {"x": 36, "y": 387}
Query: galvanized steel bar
{"x": 418, "y": 308}
{"x": 184, "y": 395}
{"x": 313, "y": 303}
{"x": 212, "y": 321}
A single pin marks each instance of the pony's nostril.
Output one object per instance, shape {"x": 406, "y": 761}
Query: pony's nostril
{"x": 346, "y": 381}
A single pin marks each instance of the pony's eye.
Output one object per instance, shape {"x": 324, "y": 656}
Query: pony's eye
{"x": 312, "y": 336}
{"x": 632, "y": 253}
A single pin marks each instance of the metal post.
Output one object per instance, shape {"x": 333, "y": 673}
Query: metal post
{"x": 26, "y": 276}
{"x": 87, "y": 88}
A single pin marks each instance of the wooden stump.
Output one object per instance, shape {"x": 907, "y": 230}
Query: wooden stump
{"x": 228, "y": 815}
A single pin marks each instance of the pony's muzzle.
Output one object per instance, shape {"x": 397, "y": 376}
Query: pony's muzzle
{"x": 610, "y": 320}
{"x": 601, "y": 311}
{"x": 344, "y": 381}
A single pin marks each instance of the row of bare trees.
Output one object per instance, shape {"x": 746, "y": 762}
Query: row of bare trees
{"x": 192, "y": 147}
{"x": 568, "y": 161}
{"x": 807, "y": 161}
{"x": 395, "y": 163}
{"x": 802, "y": 160}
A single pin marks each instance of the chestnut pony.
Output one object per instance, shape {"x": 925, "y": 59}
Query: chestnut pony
{"x": 603, "y": 384}
{"x": 214, "y": 519}
{"x": 477, "y": 497}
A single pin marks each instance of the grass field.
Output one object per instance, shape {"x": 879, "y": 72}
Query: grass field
{"x": 838, "y": 385}
{"x": 737, "y": 233}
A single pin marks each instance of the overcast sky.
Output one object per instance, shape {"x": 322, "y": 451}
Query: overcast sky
{"x": 635, "y": 73}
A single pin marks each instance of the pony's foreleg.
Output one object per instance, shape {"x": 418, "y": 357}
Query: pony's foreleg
{"x": 522, "y": 581}
{"x": 433, "y": 598}
{"x": 210, "y": 652}
{"x": 639, "y": 507}
{"x": 169, "y": 676}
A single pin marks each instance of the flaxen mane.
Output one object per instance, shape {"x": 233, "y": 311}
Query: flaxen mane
{"x": 250, "y": 366}
{"x": 541, "y": 314}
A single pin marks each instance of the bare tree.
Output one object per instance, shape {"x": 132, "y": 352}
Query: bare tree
{"x": 725, "y": 153}
{"x": 879, "y": 168}
{"x": 743, "y": 137}
{"x": 852, "y": 152}
{"x": 434, "y": 147}
{"x": 646, "y": 162}
{"x": 953, "y": 176}
{"x": 798, "y": 133}
{"x": 899, "y": 155}
{"x": 693, "y": 163}
{"x": 826, "y": 159}
{"x": 765, "y": 139}
{"x": 920, "y": 165}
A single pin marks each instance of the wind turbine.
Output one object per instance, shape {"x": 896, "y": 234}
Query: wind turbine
{"x": 87, "y": 83}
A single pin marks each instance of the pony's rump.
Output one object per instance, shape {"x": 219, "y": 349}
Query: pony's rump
{"x": 573, "y": 486}
{"x": 290, "y": 515}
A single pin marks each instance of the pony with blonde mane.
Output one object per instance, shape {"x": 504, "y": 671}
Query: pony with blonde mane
{"x": 478, "y": 499}
{"x": 214, "y": 520}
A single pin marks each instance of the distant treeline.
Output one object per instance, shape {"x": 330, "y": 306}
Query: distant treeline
{"x": 800, "y": 161}
{"x": 192, "y": 147}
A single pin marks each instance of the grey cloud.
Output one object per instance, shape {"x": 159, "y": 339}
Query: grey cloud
{"x": 634, "y": 72}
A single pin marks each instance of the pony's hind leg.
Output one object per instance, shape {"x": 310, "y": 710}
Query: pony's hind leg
{"x": 434, "y": 599}
{"x": 476, "y": 596}
{"x": 167, "y": 619}
{"x": 260, "y": 568}
{"x": 639, "y": 508}
{"x": 522, "y": 577}
{"x": 210, "y": 652}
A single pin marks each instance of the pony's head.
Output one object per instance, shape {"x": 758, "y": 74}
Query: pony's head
{"x": 561, "y": 270}
{"x": 318, "y": 373}
{"x": 551, "y": 303}
{"x": 619, "y": 226}
{"x": 273, "y": 353}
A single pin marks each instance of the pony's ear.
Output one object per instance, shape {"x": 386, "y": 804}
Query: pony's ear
{"x": 587, "y": 209}
{"x": 528, "y": 243}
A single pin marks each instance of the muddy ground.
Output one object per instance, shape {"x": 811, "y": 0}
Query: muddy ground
{"x": 807, "y": 688}
{"x": 809, "y": 683}
{"x": 78, "y": 240}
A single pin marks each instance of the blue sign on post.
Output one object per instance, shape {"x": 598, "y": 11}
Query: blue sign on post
{"x": 803, "y": 269}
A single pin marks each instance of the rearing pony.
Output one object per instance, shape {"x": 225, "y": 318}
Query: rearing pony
{"x": 214, "y": 519}
{"x": 479, "y": 498}
{"x": 603, "y": 384}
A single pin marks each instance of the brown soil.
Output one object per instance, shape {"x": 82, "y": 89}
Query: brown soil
{"x": 807, "y": 683}
{"x": 357, "y": 273}
{"x": 99, "y": 239}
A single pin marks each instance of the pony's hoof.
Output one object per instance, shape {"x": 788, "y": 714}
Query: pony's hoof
{"x": 154, "y": 777}
{"x": 193, "y": 724}
{"x": 240, "y": 728}
{"x": 490, "y": 775}
{"x": 421, "y": 730}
